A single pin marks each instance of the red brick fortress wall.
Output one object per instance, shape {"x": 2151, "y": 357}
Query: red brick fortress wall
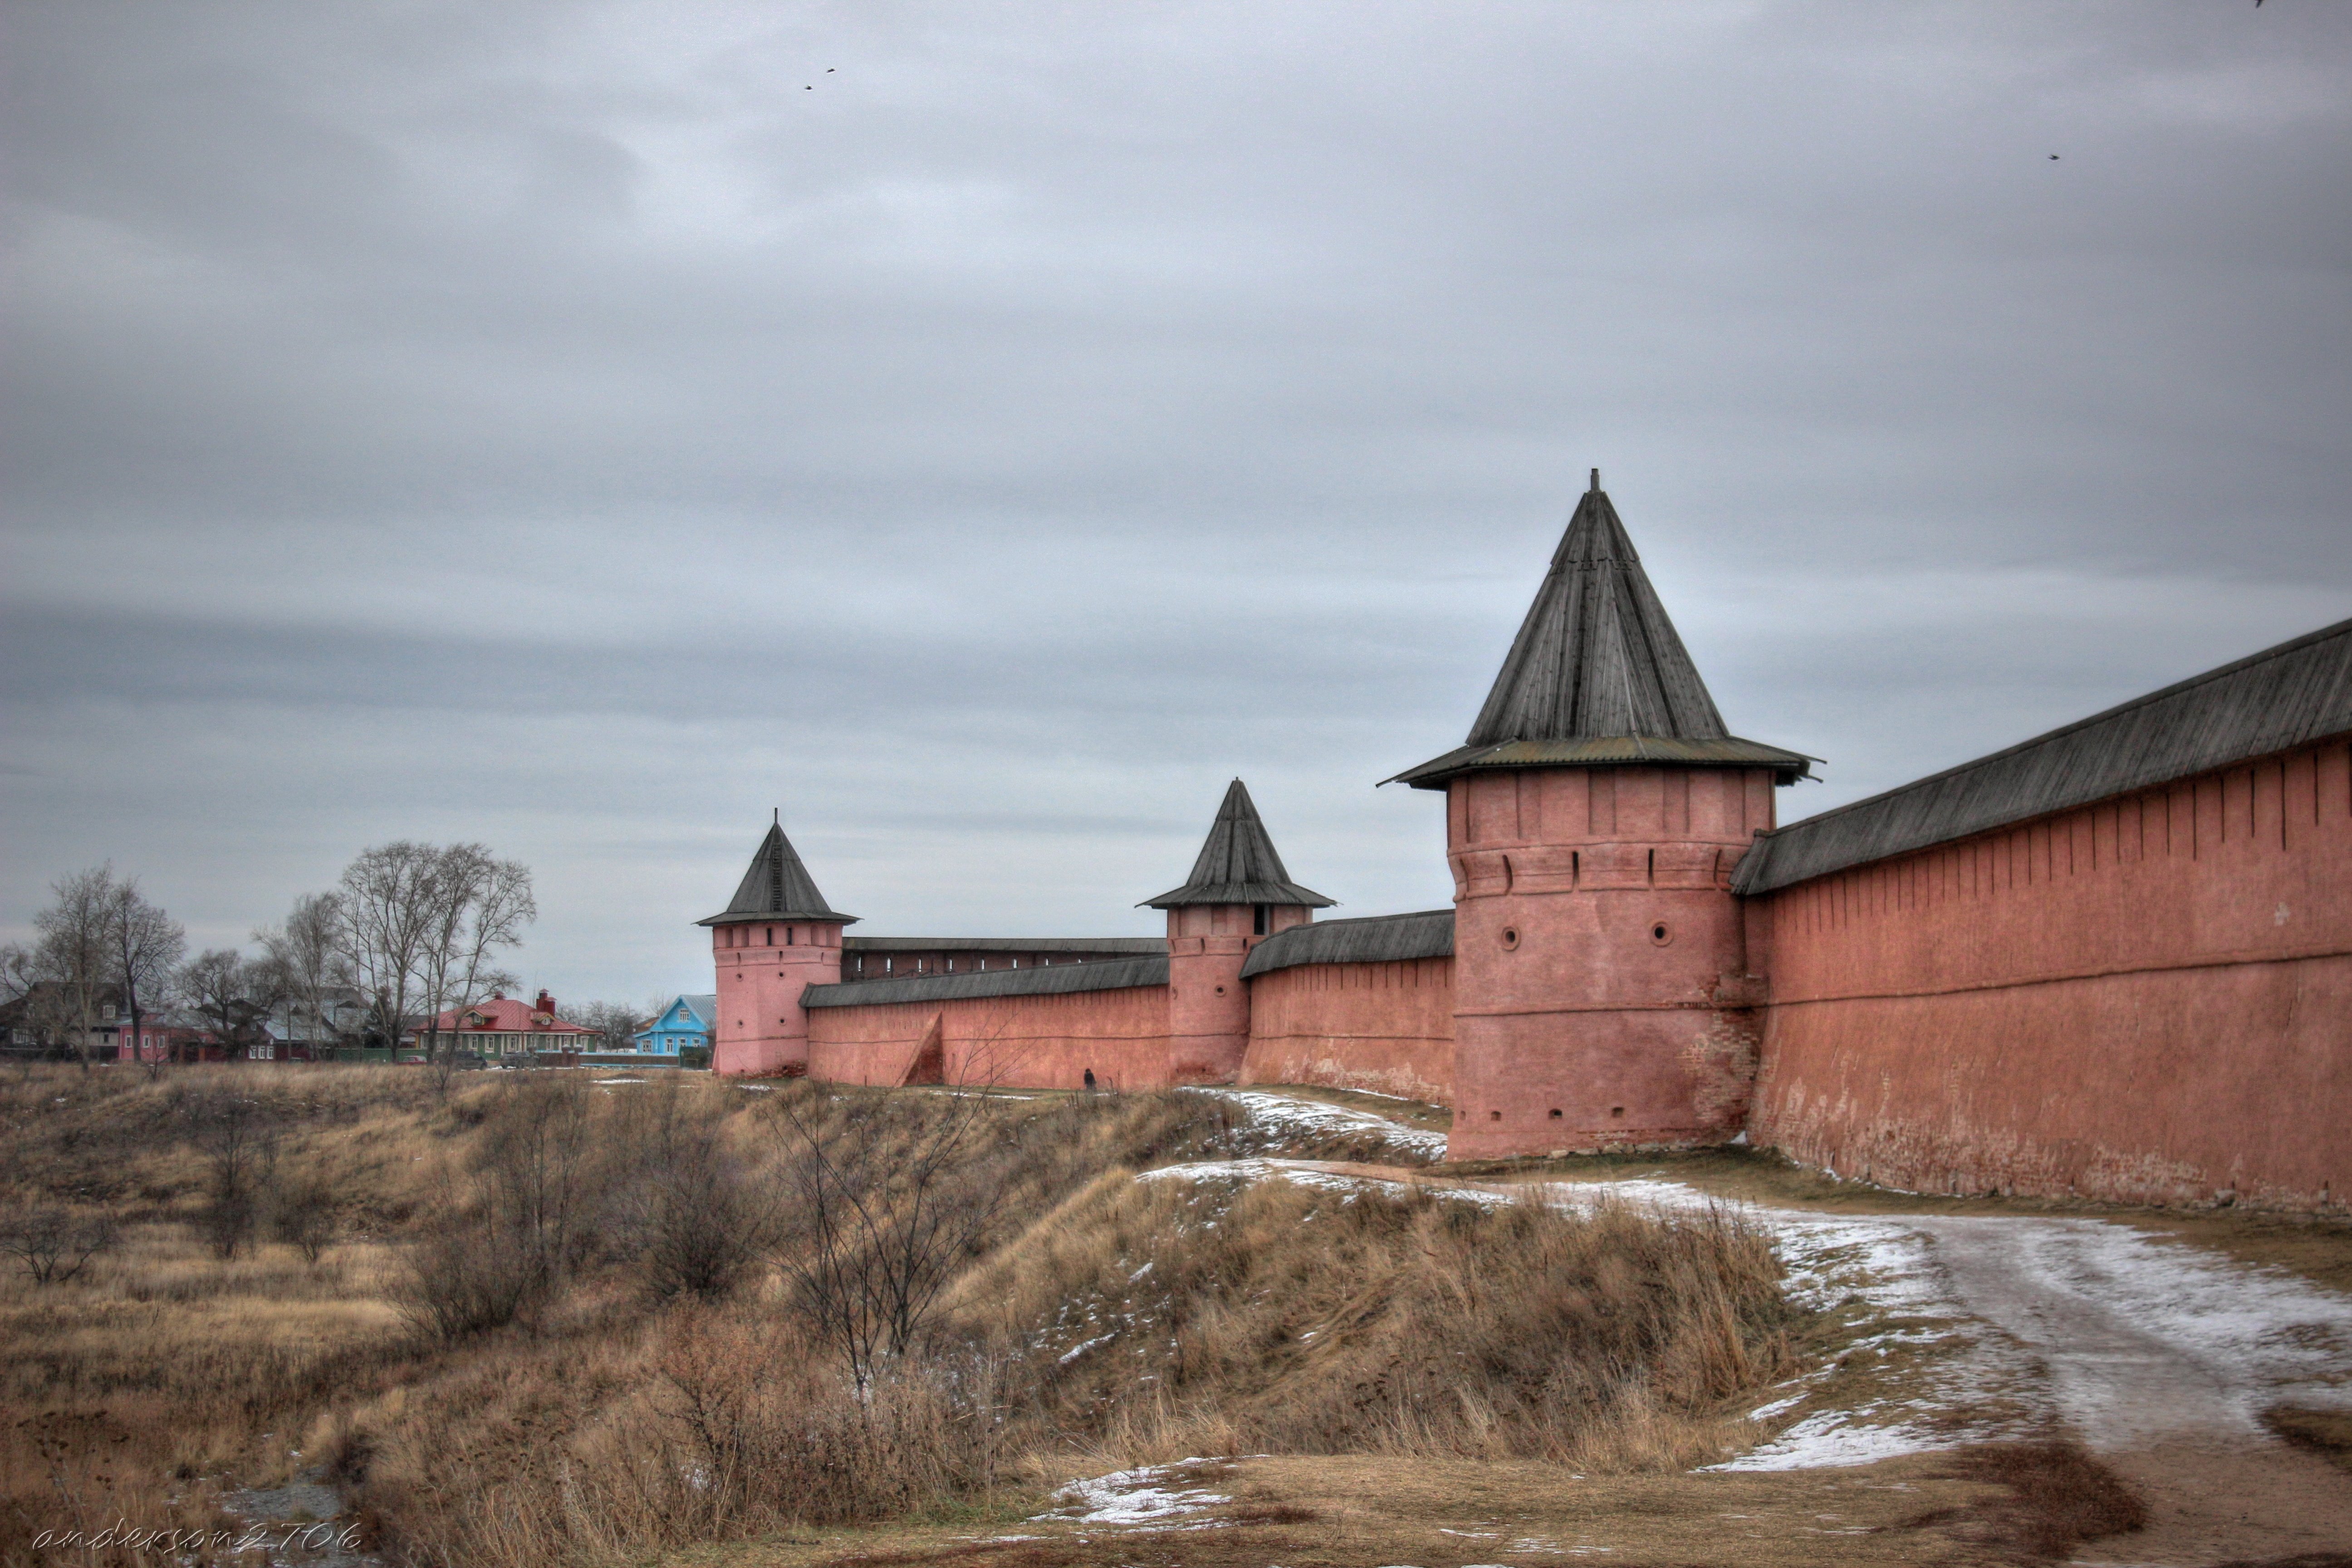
{"x": 1030, "y": 1042}
{"x": 2144, "y": 999}
{"x": 1384, "y": 1028}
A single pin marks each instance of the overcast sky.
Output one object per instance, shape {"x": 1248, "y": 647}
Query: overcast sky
{"x": 983, "y": 430}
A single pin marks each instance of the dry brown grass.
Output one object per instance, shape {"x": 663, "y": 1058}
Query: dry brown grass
{"x": 628, "y": 1412}
{"x": 1170, "y": 1317}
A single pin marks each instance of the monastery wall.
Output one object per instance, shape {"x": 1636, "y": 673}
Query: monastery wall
{"x": 2144, "y": 999}
{"x": 1384, "y": 1028}
{"x": 1046, "y": 1041}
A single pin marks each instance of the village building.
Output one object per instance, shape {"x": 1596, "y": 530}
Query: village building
{"x": 2115, "y": 960}
{"x": 504, "y": 1028}
{"x": 683, "y": 1025}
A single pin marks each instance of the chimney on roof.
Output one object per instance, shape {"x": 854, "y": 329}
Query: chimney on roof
{"x": 498, "y": 996}
{"x": 545, "y": 1004}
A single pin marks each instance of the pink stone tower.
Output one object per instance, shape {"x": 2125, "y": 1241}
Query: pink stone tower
{"x": 777, "y": 938}
{"x": 1593, "y": 822}
{"x": 1237, "y": 896}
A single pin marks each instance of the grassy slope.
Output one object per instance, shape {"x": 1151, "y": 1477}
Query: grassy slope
{"x": 166, "y": 1375}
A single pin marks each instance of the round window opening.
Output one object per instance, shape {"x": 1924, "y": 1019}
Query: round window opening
{"x": 1510, "y": 937}
{"x": 1660, "y": 935}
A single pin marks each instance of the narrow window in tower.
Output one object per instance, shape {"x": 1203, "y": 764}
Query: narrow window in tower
{"x": 1555, "y": 1115}
{"x": 1653, "y": 867}
{"x": 772, "y": 936}
{"x": 1616, "y": 1110}
{"x": 1494, "y": 1116}
{"x": 1261, "y": 920}
{"x": 888, "y": 965}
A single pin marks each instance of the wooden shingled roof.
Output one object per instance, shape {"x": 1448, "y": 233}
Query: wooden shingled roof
{"x": 2284, "y": 696}
{"x": 1598, "y": 676}
{"x": 1109, "y": 974}
{"x": 1237, "y": 864}
{"x": 1371, "y": 939}
{"x": 777, "y": 888}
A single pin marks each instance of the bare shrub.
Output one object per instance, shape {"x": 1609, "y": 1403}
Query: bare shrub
{"x": 699, "y": 1218}
{"x": 237, "y": 1136}
{"x": 889, "y": 1199}
{"x": 303, "y": 1214}
{"x": 55, "y": 1244}
{"x": 507, "y": 1235}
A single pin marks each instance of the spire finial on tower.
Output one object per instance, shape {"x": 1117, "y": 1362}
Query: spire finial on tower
{"x": 1596, "y": 480}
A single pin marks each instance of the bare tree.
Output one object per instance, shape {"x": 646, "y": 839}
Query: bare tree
{"x": 311, "y": 963}
{"x": 143, "y": 950}
{"x": 616, "y": 1025}
{"x": 385, "y": 907}
{"x": 234, "y": 994}
{"x": 485, "y": 902}
{"x": 71, "y": 954}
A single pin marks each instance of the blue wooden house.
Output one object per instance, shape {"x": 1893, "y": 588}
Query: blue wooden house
{"x": 684, "y": 1024}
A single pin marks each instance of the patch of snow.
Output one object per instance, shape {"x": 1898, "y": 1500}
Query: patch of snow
{"x": 1831, "y": 1438}
{"x": 1141, "y": 1496}
{"x": 1319, "y": 1119}
{"x": 1074, "y": 1352}
{"x": 606, "y": 1080}
{"x": 1311, "y": 1174}
{"x": 758, "y": 1087}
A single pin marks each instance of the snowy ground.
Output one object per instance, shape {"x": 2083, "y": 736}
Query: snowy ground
{"x": 1155, "y": 1494}
{"x": 1318, "y": 1119}
{"x": 2130, "y": 1339}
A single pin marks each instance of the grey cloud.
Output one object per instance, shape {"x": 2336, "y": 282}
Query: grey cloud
{"x": 1055, "y": 412}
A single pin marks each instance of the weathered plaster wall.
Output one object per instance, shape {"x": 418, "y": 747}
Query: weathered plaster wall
{"x": 761, "y": 968}
{"x": 1601, "y": 998}
{"x": 2146, "y": 999}
{"x": 1384, "y": 1027}
{"x": 1031, "y": 1042}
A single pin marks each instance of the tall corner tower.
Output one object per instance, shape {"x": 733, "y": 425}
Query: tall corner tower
{"x": 1603, "y": 994}
{"x": 774, "y": 940}
{"x": 1237, "y": 896}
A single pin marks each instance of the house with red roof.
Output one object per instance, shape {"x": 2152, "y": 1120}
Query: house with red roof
{"x": 505, "y": 1026}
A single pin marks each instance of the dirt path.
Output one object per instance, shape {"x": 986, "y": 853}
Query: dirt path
{"x": 2162, "y": 1360}
{"x": 2159, "y": 1356}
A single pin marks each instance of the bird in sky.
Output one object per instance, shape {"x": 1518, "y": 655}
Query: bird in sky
{"x": 2053, "y": 157}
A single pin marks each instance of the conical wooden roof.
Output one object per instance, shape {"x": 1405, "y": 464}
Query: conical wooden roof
{"x": 1238, "y": 865}
{"x": 1597, "y": 675}
{"x": 777, "y": 888}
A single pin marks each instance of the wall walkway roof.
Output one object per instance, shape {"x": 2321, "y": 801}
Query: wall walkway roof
{"x": 1372, "y": 939}
{"x": 2283, "y": 697}
{"x": 1110, "y": 975}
